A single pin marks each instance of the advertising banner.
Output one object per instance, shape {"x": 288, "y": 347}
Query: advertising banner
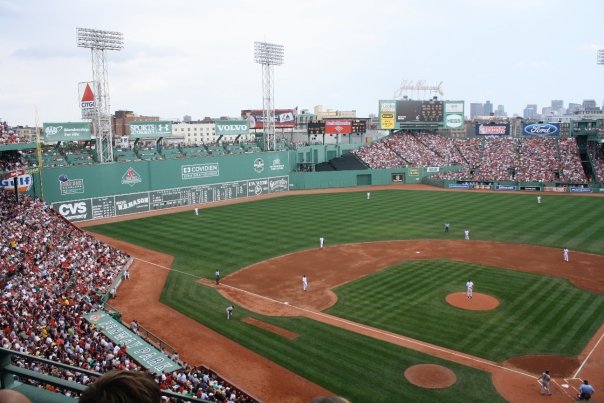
{"x": 24, "y": 183}
{"x": 66, "y": 131}
{"x": 161, "y": 128}
{"x": 232, "y": 127}
{"x": 284, "y": 118}
{"x": 541, "y": 129}
{"x": 454, "y": 107}
{"x": 387, "y": 121}
{"x": 87, "y": 99}
{"x": 453, "y": 121}
{"x": 339, "y": 126}
{"x": 497, "y": 129}
{"x": 144, "y": 353}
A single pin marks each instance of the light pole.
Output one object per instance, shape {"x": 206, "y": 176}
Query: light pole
{"x": 98, "y": 41}
{"x": 601, "y": 56}
{"x": 268, "y": 55}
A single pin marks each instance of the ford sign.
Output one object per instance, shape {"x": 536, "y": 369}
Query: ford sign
{"x": 541, "y": 129}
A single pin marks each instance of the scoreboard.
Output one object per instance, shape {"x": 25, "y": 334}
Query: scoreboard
{"x": 411, "y": 114}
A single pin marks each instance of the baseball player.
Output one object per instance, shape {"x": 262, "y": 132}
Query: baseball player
{"x": 229, "y": 311}
{"x": 545, "y": 379}
{"x": 466, "y": 235}
{"x": 304, "y": 283}
{"x": 217, "y": 275}
{"x": 368, "y": 195}
{"x": 446, "y": 227}
{"x": 538, "y": 199}
{"x": 196, "y": 211}
{"x": 321, "y": 242}
{"x": 565, "y": 254}
{"x": 469, "y": 288}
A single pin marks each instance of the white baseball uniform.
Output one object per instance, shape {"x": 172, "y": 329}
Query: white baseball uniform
{"x": 368, "y": 195}
{"x": 466, "y": 234}
{"x": 321, "y": 241}
{"x": 565, "y": 254}
{"x": 304, "y": 282}
{"x": 469, "y": 288}
{"x": 196, "y": 211}
{"x": 538, "y": 199}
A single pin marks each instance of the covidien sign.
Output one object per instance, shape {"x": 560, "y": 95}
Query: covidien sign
{"x": 232, "y": 127}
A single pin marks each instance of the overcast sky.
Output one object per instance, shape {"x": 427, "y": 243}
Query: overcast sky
{"x": 195, "y": 58}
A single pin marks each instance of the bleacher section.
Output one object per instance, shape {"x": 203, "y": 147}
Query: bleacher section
{"x": 346, "y": 162}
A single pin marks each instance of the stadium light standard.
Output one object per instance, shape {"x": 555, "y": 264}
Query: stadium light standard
{"x": 268, "y": 55}
{"x": 98, "y": 41}
{"x": 601, "y": 56}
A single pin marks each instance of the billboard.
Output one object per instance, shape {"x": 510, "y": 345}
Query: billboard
{"x": 387, "y": 111}
{"x": 338, "y": 126}
{"x": 454, "y": 107}
{"x": 492, "y": 129}
{"x": 541, "y": 129}
{"x": 66, "y": 131}
{"x": 284, "y": 118}
{"x": 160, "y": 128}
{"x": 87, "y": 99}
{"x": 419, "y": 111}
{"x": 232, "y": 127}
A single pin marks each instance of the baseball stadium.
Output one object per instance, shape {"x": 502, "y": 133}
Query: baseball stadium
{"x": 130, "y": 264}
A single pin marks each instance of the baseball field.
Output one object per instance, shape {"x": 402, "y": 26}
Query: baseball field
{"x": 380, "y": 285}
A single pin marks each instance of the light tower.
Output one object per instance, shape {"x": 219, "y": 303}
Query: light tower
{"x": 98, "y": 41}
{"x": 601, "y": 56}
{"x": 268, "y": 55}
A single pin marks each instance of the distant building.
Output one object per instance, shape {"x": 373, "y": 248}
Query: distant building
{"x": 500, "y": 111}
{"x": 186, "y": 118}
{"x": 329, "y": 113}
{"x": 572, "y": 108}
{"x": 476, "y": 110}
{"x": 558, "y": 106}
{"x": 121, "y": 121}
{"x": 487, "y": 108}
{"x": 530, "y": 112}
{"x": 589, "y": 104}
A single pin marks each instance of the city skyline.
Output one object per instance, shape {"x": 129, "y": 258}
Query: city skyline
{"x": 190, "y": 58}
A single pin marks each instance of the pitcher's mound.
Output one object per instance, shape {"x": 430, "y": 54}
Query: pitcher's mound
{"x": 478, "y": 302}
{"x": 430, "y": 376}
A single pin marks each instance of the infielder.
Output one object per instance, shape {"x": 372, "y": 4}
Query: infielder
{"x": 469, "y": 288}
{"x": 321, "y": 242}
{"x": 538, "y": 199}
{"x": 217, "y": 275}
{"x": 446, "y": 227}
{"x": 196, "y": 211}
{"x": 565, "y": 254}
{"x": 304, "y": 283}
{"x": 229, "y": 311}
{"x": 466, "y": 235}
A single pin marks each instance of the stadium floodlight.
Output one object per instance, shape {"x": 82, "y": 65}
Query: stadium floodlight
{"x": 98, "y": 41}
{"x": 268, "y": 55}
{"x": 601, "y": 56}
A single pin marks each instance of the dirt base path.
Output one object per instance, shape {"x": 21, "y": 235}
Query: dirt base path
{"x": 138, "y": 299}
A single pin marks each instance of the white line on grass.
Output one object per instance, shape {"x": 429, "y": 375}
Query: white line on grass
{"x": 374, "y": 330}
{"x": 588, "y": 355}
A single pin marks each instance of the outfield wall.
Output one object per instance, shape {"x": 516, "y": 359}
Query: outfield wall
{"x": 105, "y": 190}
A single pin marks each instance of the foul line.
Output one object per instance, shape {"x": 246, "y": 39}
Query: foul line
{"x": 588, "y": 355}
{"x": 378, "y": 331}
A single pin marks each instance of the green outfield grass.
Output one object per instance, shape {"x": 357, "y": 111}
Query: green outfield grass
{"x": 536, "y": 315}
{"x": 234, "y": 236}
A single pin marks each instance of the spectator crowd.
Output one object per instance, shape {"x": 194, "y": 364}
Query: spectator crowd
{"x": 487, "y": 159}
{"x": 51, "y": 274}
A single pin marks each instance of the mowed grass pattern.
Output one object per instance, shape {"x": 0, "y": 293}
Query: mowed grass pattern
{"x": 537, "y": 314}
{"x": 348, "y": 364}
{"x": 234, "y": 236}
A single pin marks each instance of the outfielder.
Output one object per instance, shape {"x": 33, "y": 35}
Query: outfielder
{"x": 217, "y": 275}
{"x": 304, "y": 283}
{"x": 538, "y": 199}
{"x": 368, "y": 195}
{"x": 466, "y": 235}
{"x": 321, "y": 241}
{"x": 565, "y": 254}
{"x": 469, "y": 288}
{"x": 196, "y": 211}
